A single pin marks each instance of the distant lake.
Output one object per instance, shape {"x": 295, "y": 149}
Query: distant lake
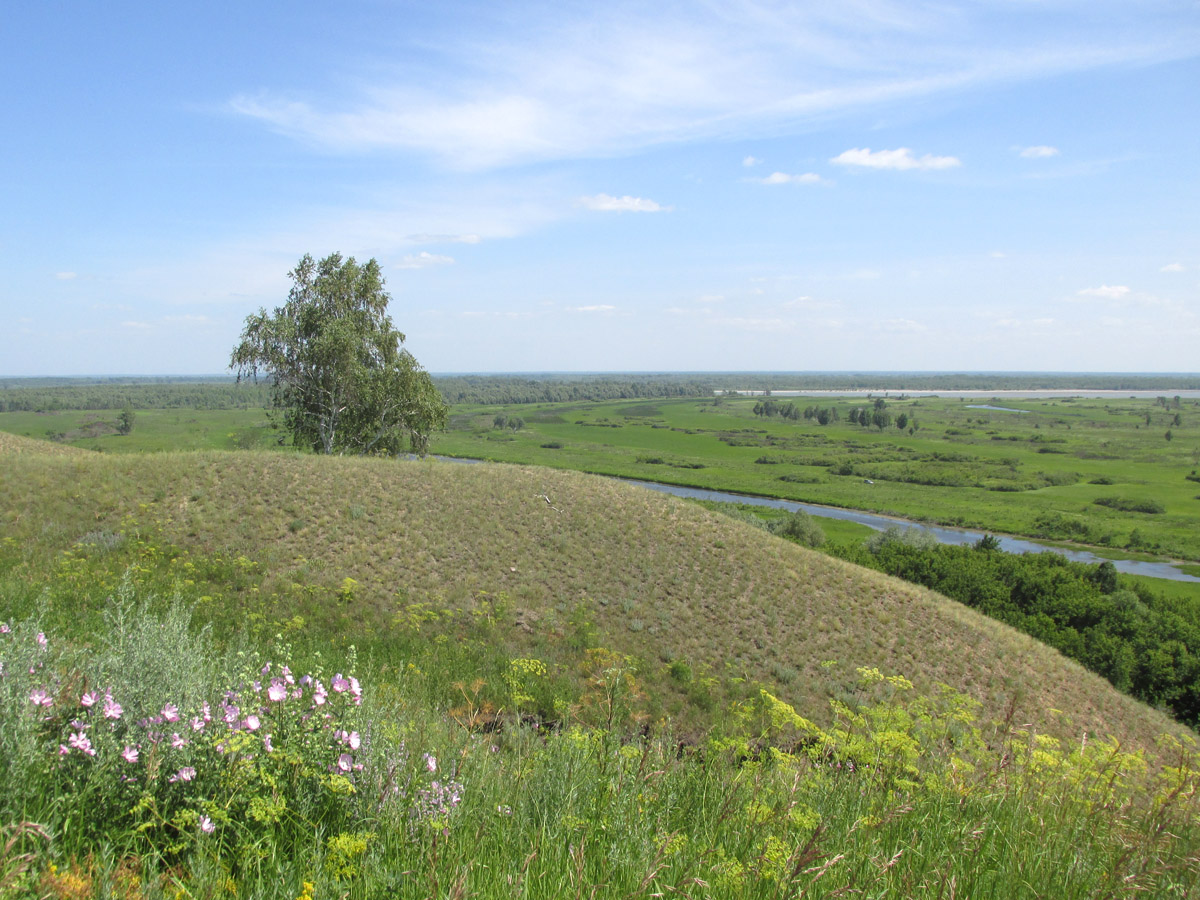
{"x": 997, "y": 408}
{"x": 986, "y": 395}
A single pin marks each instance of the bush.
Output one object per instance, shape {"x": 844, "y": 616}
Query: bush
{"x": 800, "y": 527}
{"x": 1152, "y": 507}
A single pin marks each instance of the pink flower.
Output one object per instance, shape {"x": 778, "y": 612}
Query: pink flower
{"x": 79, "y": 741}
{"x": 431, "y": 762}
{"x": 345, "y": 762}
{"x": 277, "y": 692}
{"x": 62, "y": 750}
{"x": 177, "y": 742}
{"x": 41, "y": 639}
{"x": 89, "y": 699}
{"x": 4, "y": 628}
{"x": 206, "y": 825}
{"x": 197, "y": 723}
{"x": 252, "y": 722}
{"x": 267, "y": 743}
{"x": 287, "y": 675}
{"x": 129, "y": 754}
{"x": 112, "y": 709}
{"x": 170, "y": 712}
{"x": 354, "y": 740}
{"x": 187, "y": 773}
{"x": 39, "y": 697}
{"x": 340, "y": 684}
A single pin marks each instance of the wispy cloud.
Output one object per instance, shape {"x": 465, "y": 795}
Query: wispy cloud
{"x": 621, "y": 77}
{"x": 784, "y": 178}
{"x": 901, "y": 159}
{"x": 596, "y": 308}
{"x": 444, "y": 238}
{"x": 605, "y": 203}
{"x": 422, "y": 260}
{"x": 1105, "y": 292}
{"x": 1038, "y": 152}
{"x": 750, "y": 161}
{"x": 1172, "y": 267}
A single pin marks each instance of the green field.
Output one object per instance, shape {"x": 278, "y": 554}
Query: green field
{"x": 154, "y": 429}
{"x": 1069, "y": 470}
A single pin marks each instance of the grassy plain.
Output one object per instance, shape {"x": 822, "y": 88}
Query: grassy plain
{"x": 155, "y": 430}
{"x": 572, "y": 687}
{"x": 1042, "y": 471}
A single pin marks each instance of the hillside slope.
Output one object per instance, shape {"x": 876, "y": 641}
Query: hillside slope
{"x": 656, "y": 577}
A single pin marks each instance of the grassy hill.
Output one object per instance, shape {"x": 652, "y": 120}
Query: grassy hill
{"x": 570, "y": 687}
{"x": 560, "y": 561}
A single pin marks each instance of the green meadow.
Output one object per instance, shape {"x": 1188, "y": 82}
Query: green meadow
{"x": 1097, "y": 472}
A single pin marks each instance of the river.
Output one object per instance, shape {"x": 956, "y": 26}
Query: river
{"x": 941, "y": 533}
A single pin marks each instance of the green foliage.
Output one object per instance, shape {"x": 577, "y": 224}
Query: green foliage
{"x": 1141, "y": 642}
{"x": 800, "y": 527}
{"x": 341, "y": 380}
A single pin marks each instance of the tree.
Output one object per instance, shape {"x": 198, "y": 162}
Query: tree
{"x": 125, "y": 420}
{"x": 341, "y": 382}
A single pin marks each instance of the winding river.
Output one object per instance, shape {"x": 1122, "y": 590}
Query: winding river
{"x": 941, "y": 533}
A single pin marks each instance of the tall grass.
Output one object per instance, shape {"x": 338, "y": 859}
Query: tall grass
{"x": 903, "y": 795}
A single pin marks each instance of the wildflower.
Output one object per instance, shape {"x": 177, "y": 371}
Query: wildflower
{"x": 354, "y": 740}
{"x": 287, "y": 675}
{"x": 89, "y": 699}
{"x": 340, "y": 685}
{"x": 197, "y": 723}
{"x": 62, "y": 750}
{"x": 79, "y": 741}
{"x": 39, "y": 697}
{"x": 187, "y": 773}
{"x": 206, "y": 825}
{"x": 41, "y": 639}
{"x": 170, "y": 713}
{"x": 129, "y": 754}
{"x": 206, "y": 712}
{"x": 319, "y": 693}
{"x": 345, "y": 762}
{"x": 278, "y": 691}
{"x": 5, "y": 628}
{"x": 252, "y": 722}
{"x": 177, "y": 742}
{"x": 112, "y": 709}
{"x": 267, "y": 743}
{"x": 431, "y": 762}
{"x": 232, "y": 713}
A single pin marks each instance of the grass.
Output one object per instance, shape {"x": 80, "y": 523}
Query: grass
{"x": 518, "y": 737}
{"x": 731, "y": 601}
{"x": 1037, "y": 474}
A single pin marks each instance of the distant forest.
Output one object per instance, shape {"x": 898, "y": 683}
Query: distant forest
{"x": 223, "y": 392}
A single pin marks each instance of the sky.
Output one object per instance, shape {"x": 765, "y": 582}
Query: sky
{"x": 867, "y": 185}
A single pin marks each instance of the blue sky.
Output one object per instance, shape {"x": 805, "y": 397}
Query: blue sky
{"x": 862, "y": 185}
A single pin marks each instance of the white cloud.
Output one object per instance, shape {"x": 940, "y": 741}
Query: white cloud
{"x": 1105, "y": 292}
{"x": 65, "y": 276}
{"x": 423, "y": 260}
{"x": 1172, "y": 267}
{"x": 901, "y": 159}
{"x": 599, "y": 307}
{"x": 751, "y": 161}
{"x": 784, "y": 178}
{"x": 1039, "y": 152}
{"x": 444, "y": 238}
{"x": 515, "y": 85}
{"x": 605, "y": 203}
